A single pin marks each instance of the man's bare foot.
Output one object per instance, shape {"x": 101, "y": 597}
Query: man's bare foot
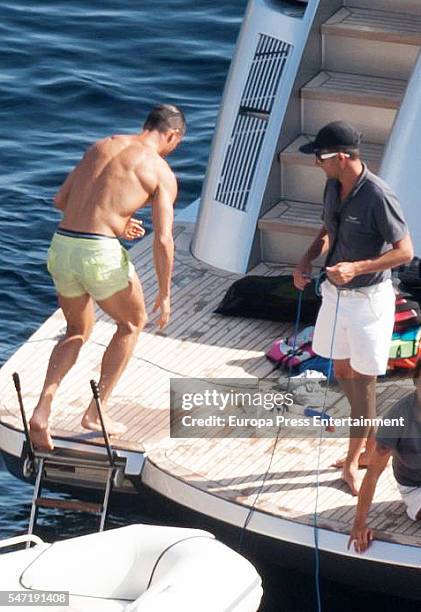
{"x": 40, "y": 436}
{"x": 94, "y": 424}
{"x": 363, "y": 462}
{"x": 350, "y": 476}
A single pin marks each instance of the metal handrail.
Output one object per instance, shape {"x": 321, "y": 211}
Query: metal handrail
{"x": 22, "y": 539}
{"x": 36, "y": 462}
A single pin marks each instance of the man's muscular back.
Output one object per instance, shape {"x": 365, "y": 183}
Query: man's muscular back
{"x": 116, "y": 176}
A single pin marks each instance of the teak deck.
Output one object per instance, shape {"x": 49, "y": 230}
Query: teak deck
{"x": 198, "y": 343}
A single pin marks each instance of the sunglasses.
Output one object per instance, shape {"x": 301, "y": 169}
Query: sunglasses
{"x": 321, "y": 157}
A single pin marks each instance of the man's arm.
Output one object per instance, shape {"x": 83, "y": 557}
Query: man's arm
{"x": 60, "y": 199}
{"x": 361, "y": 535}
{"x": 319, "y": 246}
{"x": 163, "y": 246}
{"x": 401, "y": 253}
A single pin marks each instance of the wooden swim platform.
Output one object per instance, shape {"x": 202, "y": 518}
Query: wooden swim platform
{"x": 199, "y": 343}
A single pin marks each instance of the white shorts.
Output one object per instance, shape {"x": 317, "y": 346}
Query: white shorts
{"x": 364, "y": 326}
{"x": 411, "y": 496}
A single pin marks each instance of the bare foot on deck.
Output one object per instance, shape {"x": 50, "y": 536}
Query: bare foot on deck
{"x": 94, "y": 424}
{"x": 350, "y": 476}
{"x": 363, "y": 462}
{"x": 40, "y": 436}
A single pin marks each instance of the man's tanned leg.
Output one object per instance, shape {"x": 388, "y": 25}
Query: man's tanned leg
{"x": 361, "y": 393}
{"x": 127, "y": 308}
{"x": 79, "y": 315}
{"x": 343, "y": 368}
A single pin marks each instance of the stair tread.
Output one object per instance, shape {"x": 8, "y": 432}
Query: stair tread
{"x": 355, "y": 89}
{"x": 371, "y": 153}
{"x": 289, "y": 214}
{"x": 375, "y": 25}
{"x": 68, "y": 504}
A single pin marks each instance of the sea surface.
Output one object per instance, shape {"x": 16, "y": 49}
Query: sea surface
{"x": 73, "y": 71}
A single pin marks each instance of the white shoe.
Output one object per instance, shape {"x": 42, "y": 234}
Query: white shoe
{"x": 310, "y": 374}
{"x": 305, "y": 387}
{"x": 313, "y": 375}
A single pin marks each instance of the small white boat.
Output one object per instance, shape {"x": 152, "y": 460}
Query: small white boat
{"x": 138, "y": 568}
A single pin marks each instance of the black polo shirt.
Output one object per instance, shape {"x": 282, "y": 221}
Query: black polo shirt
{"x": 364, "y": 225}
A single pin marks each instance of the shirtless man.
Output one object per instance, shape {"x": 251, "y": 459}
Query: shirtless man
{"x": 116, "y": 176}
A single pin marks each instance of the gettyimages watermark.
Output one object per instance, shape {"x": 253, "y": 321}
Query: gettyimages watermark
{"x": 259, "y": 408}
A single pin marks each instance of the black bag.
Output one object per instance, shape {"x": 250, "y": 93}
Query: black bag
{"x": 269, "y": 297}
{"x": 409, "y": 276}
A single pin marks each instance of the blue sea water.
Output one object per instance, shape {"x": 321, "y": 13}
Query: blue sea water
{"x": 72, "y": 72}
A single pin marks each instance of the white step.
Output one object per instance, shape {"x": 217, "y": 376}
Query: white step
{"x": 303, "y": 180}
{"x": 288, "y": 229}
{"x": 379, "y": 43}
{"x": 368, "y": 102}
{"x": 399, "y": 6}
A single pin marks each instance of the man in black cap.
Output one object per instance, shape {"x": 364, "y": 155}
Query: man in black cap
{"x": 364, "y": 235}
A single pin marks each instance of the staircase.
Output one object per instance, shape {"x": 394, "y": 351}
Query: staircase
{"x": 369, "y": 50}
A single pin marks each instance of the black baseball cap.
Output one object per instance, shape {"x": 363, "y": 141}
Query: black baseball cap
{"x": 335, "y": 136}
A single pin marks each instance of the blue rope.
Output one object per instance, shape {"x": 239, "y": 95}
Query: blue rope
{"x": 253, "y": 506}
{"x": 319, "y": 280}
{"x": 319, "y": 454}
{"x": 296, "y": 326}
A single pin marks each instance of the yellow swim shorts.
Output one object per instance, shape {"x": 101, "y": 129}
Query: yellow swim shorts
{"x": 88, "y": 263}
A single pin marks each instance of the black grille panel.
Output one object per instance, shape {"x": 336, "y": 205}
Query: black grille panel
{"x": 242, "y": 155}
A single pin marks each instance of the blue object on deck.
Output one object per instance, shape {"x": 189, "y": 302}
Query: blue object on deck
{"x": 312, "y": 412}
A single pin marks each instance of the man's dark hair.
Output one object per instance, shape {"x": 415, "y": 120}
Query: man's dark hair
{"x": 165, "y": 117}
{"x": 355, "y": 154}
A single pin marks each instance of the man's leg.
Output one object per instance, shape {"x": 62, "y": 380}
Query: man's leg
{"x": 346, "y": 377}
{"x": 361, "y": 393}
{"x": 80, "y": 316}
{"x": 127, "y": 308}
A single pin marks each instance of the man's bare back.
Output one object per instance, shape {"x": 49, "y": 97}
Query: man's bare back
{"x": 116, "y": 177}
